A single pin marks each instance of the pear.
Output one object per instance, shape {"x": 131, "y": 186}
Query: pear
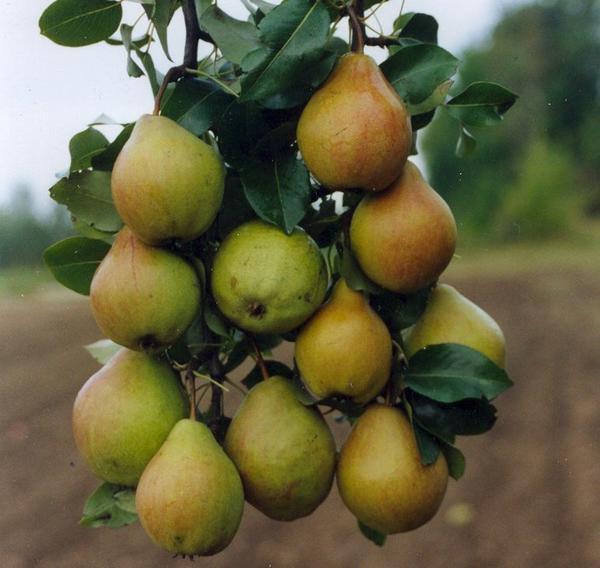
{"x": 166, "y": 183}
{"x": 355, "y": 131}
{"x": 404, "y": 237}
{"x": 284, "y": 451}
{"x": 345, "y": 348}
{"x": 143, "y": 297}
{"x": 381, "y": 478}
{"x": 190, "y": 498}
{"x": 451, "y": 318}
{"x": 265, "y": 281}
{"x": 124, "y": 413}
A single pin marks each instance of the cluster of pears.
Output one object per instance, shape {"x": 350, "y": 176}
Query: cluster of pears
{"x": 131, "y": 418}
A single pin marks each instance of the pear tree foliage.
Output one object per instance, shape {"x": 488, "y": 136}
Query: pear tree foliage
{"x": 245, "y": 98}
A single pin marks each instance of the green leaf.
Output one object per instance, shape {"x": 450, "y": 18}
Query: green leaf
{"x": 238, "y": 131}
{"x": 75, "y": 23}
{"x": 274, "y": 368}
{"x": 419, "y": 121}
{"x": 417, "y": 70}
{"x": 84, "y": 146}
{"x": 234, "y": 38}
{"x": 73, "y": 261}
{"x": 434, "y": 100}
{"x": 278, "y": 190}
{"x": 374, "y": 536}
{"x": 455, "y": 460}
{"x": 88, "y": 197}
{"x": 295, "y": 32}
{"x": 196, "y": 104}
{"x": 86, "y": 231}
{"x": 235, "y": 209}
{"x": 429, "y": 447}
{"x": 421, "y": 27}
{"x": 161, "y": 16}
{"x": 109, "y": 506}
{"x": 481, "y": 104}
{"x": 102, "y": 350}
{"x": 356, "y": 279}
{"x": 449, "y": 372}
{"x": 310, "y": 79}
{"x": 400, "y": 311}
{"x": 154, "y": 76}
{"x": 464, "y": 418}
{"x": 133, "y": 70}
{"x": 214, "y": 320}
{"x": 106, "y": 159}
{"x": 466, "y": 143}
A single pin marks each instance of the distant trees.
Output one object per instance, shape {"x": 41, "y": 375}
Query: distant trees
{"x": 24, "y": 234}
{"x": 530, "y": 176}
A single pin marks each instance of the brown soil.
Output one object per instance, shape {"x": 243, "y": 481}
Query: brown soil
{"x": 529, "y": 497}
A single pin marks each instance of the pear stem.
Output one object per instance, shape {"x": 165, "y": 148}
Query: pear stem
{"x": 259, "y": 358}
{"x": 190, "y": 377}
{"x": 355, "y": 12}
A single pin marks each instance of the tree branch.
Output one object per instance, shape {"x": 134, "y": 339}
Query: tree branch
{"x": 193, "y": 34}
{"x": 356, "y": 12}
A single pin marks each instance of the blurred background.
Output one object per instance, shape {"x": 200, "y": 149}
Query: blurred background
{"x": 527, "y": 203}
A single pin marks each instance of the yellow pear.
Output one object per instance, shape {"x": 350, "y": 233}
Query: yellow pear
{"x": 265, "y": 281}
{"x": 190, "y": 498}
{"x": 284, "y": 451}
{"x": 166, "y": 183}
{"x": 355, "y": 131}
{"x": 124, "y": 413}
{"x": 381, "y": 478}
{"x": 143, "y": 297}
{"x": 345, "y": 348}
{"x": 451, "y": 318}
{"x": 404, "y": 237}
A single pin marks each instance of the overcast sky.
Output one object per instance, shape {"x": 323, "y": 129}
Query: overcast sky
{"x": 49, "y": 92}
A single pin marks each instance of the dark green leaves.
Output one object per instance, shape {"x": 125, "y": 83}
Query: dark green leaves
{"x": 417, "y": 26}
{"x": 84, "y": 146}
{"x": 481, "y": 104}
{"x": 450, "y": 372}
{"x": 416, "y": 71}
{"x": 235, "y": 38}
{"x": 196, "y": 104}
{"x": 400, "y": 311}
{"x": 294, "y": 33}
{"x": 73, "y": 261}
{"x": 109, "y": 506}
{"x": 88, "y": 197}
{"x": 374, "y": 536}
{"x": 278, "y": 190}
{"x": 75, "y": 23}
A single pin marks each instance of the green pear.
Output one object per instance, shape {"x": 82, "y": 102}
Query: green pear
{"x": 190, "y": 498}
{"x": 265, "y": 281}
{"x": 405, "y": 236}
{"x": 381, "y": 478}
{"x": 284, "y": 451}
{"x": 355, "y": 131}
{"x": 124, "y": 413}
{"x": 143, "y": 297}
{"x": 166, "y": 183}
{"x": 451, "y": 318}
{"x": 345, "y": 348}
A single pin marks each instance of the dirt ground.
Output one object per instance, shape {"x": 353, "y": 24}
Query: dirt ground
{"x": 530, "y": 496}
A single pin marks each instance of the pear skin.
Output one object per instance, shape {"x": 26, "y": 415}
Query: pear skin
{"x": 166, "y": 183}
{"x": 451, "y": 318}
{"x": 284, "y": 451}
{"x": 380, "y": 476}
{"x": 190, "y": 498}
{"x": 143, "y": 297}
{"x": 404, "y": 237}
{"x": 265, "y": 281}
{"x": 124, "y": 413}
{"x": 355, "y": 131}
{"x": 345, "y": 348}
